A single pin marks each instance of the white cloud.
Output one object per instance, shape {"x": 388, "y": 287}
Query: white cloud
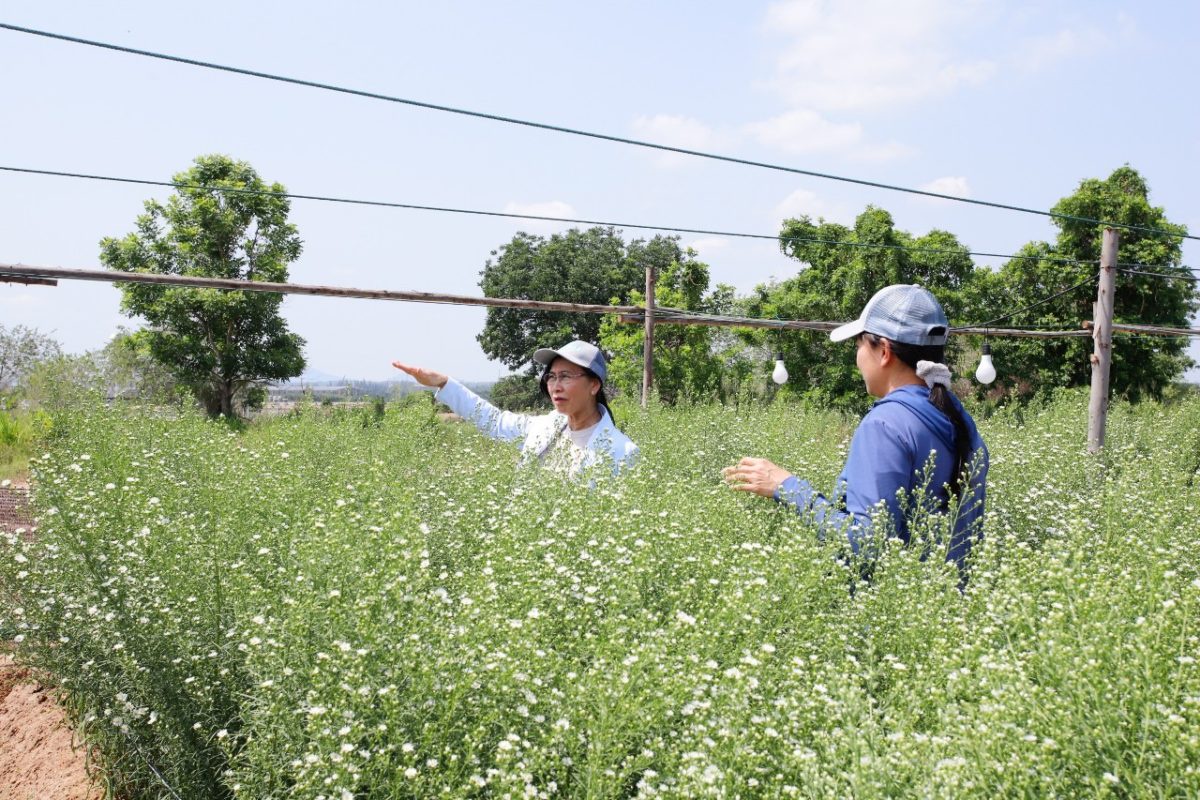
{"x": 875, "y": 53}
{"x": 677, "y": 131}
{"x": 803, "y": 131}
{"x": 1041, "y": 52}
{"x": 708, "y": 246}
{"x": 547, "y": 209}
{"x": 953, "y": 185}
{"x": 805, "y": 203}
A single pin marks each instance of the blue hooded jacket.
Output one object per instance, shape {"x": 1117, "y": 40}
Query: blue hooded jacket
{"x": 889, "y": 452}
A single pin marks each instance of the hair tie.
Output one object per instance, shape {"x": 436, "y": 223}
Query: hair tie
{"x": 933, "y": 373}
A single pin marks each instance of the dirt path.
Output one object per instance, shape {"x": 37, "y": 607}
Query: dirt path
{"x": 37, "y": 758}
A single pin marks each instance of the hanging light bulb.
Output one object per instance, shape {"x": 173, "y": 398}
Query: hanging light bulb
{"x": 780, "y": 373}
{"x": 987, "y": 370}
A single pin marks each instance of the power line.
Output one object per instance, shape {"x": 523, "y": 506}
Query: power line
{"x": 578, "y": 132}
{"x": 1190, "y": 278}
{"x": 543, "y": 218}
{"x": 1139, "y": 265}
{"x": 1035, "y": 305}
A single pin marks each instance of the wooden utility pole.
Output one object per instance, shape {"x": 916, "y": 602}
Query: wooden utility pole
{"x": 648, "y": 344}
{"x": 1102, "y": 328}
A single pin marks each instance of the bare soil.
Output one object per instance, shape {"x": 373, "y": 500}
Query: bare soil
{"x": 38, "y": 758}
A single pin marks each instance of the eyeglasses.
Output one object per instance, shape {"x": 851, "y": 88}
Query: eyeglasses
{"x": 562, "y": 378}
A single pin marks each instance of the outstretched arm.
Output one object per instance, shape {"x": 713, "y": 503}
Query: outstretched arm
{"x": 425, "y": 377}
{"x": 504, "y": 425}
{"x": 762, "y": 477}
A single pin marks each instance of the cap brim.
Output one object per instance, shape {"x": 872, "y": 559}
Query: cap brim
{"x": 545, "y": 356}
{"x": 847, "y": 331}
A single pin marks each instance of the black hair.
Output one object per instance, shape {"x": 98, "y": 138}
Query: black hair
{"x": 600, "y": 398}
{"x": 940, "y": 397}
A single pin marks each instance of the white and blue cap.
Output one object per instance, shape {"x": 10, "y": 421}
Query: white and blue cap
{"x": 903, "y": 313}
{"x": 577, "y": 352}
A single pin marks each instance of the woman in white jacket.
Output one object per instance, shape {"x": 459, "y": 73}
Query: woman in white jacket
{"x": 578, "y": 434}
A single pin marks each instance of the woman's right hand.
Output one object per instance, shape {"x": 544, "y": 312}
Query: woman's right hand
{"x": 755, "y": 475}
{"x": 425, "y": 377}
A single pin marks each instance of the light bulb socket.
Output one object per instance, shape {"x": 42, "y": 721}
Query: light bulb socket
{"x": 987, "y": 348}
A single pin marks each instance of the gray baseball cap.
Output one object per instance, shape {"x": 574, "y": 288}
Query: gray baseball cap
{"x": 903, "y": 313}
{"x": 577, "y": 352}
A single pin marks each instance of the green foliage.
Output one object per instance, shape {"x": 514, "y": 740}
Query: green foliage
{"x": 518, "y": 392}
{"x": 344, "y": 610}
{"x": 20, "y": 430}
{"x": 218, "y": 343}
{"x": 838, "y": 280}
{"x": 1141, "y": 366}
{"x": 131, "y": 372}
{"x": 21, "y": 350}
{"x": 595, "y": 267}
{"x": 691, "y": 362}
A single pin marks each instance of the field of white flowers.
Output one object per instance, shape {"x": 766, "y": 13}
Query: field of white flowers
{"x": 338, "y": 606}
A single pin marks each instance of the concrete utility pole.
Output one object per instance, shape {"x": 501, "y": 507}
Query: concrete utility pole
{"x": 648, "y": 344}
{"x": 1102, "y": 328}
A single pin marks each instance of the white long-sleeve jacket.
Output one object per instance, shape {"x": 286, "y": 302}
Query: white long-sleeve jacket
{"x": 539, "y": 432}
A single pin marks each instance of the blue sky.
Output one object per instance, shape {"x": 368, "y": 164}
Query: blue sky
{"x": 1004, "y": 101}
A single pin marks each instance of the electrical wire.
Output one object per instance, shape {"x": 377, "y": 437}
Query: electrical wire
{"x": 1138, "y": 265}
{"x": 1189, "y": 278}
{"x": 989, "y": 323}
{"x": 543, "y": 218}
{"x": 578, "y": 132}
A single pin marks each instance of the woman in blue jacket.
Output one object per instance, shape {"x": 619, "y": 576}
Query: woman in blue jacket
{"x": 917, "y": 421}
{"x": 578, "y": 434}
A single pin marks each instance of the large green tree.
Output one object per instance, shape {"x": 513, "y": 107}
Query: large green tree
{"x": 221, "y": 344}
{"x": 1142, "y": 366}
{"x": 692, "y": 362}
{"x": 595, "y": 266}
{"x": 843, "y": 267}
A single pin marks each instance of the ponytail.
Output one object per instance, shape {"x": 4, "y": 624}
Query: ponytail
{"x": 941, "y": 398}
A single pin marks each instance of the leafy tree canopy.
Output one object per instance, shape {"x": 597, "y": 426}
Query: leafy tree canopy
{"x": 21, "y": 349}
{"x": 594, "y": 266}
{"x": 843, "y": 268}
{"x": 1142, "y": 366}
{"x": 220, "y": 344}
{"x": 691, "y": 362}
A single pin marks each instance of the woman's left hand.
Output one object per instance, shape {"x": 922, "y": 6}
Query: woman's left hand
{"x": 757, "y": 475}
